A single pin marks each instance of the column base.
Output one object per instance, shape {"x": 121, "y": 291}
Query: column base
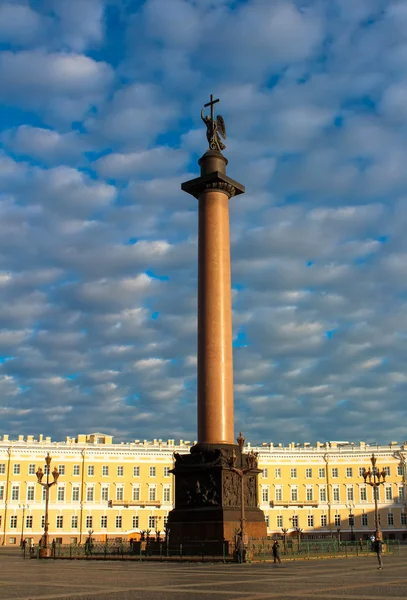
{"x": 208, "y": 499}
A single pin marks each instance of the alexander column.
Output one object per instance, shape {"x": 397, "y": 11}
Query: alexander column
{"x": 208, "y": 490}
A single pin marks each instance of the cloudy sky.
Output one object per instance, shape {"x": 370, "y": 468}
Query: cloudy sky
{"x": 100, "y": 123}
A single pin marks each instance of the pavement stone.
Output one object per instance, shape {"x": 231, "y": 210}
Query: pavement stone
{"x": 333, "y": 579}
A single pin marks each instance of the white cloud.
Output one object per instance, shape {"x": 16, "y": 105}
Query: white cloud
{"x": 65, "y": 84}
{"x": 161, "y": 19}
{"x": 99, "y": 281}
{"x": 135, "y": 116}
{"x": 74, "y": 25}
{"x": 47, "y": 145}
{"x": 284, "y": 32}
{"x": 19, "y": 23}
{"x": 79, "y": 23}
{"x": 108, "y": 293}
{"x": 146, "y": 162}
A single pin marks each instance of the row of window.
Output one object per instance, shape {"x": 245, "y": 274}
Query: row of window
{"x": 89, "y": 521}
{"x": 90, "y": 494}
{"x": 153, "y": 471}
{"x": 90, "y": 469}
{"x": 322, "y": 472}
{"x": 350, "y": 494}
{"x": 364, "y": 521}
{"x": 153, "y": 496}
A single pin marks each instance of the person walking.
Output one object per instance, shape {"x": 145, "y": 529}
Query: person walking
{"x": 378, "y": 548}
{"x": 240, "y": 549}
{"x": 276, "y": 552}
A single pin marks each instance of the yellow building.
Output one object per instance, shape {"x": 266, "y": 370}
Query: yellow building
{"x": 119, "y": 490}
{"x": 321, "y": 490}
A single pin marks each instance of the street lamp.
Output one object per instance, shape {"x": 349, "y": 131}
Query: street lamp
{"x": 167, "y": 535}
{"x": 23, "y": 508}
{"x": 157, "y": 529}
{"x": 242, "y": 472}
{"x": 376, "y": 479}
{"x": 299, "y": 531}
{"x": 47, "y": 485}
{"x": 285, "y": 531}
{"x": 351, "y": 521}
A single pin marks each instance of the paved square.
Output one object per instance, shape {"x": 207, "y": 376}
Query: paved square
{"x": 342, "y": 579}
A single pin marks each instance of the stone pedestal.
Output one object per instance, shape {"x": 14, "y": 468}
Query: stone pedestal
{"x": 208, "y": 498}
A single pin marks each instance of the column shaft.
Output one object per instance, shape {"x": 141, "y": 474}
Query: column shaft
{"x": 215, "y": 353}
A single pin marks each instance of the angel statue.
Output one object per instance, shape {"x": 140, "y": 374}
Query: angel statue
{"x": 213, "y": 129}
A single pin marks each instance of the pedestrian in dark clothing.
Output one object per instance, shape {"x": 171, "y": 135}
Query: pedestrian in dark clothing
{"x": 378, "y": 548}
{"x": 88, "y": 546}
{"x": 240, "y": 549}
{"x": 53, "y": 547}
{"x": 276, "y": 552}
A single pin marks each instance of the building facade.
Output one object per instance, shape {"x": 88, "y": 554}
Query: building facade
{"x": 118, "y": 490}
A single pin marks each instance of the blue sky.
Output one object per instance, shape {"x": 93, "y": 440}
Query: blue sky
{"x": 100, "y": 123}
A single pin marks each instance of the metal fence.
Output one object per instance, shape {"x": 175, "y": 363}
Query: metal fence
{"x": 146, "y": 550}
{"x": 307, "y": 549}
{"x": 256, "y": 550}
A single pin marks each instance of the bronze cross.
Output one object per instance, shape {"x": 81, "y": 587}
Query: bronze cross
{"x": 211, "y": 103}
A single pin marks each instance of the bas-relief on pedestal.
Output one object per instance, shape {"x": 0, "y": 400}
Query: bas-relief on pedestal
{"x": 207, "y": 490}
{"x": 208, "y": 498}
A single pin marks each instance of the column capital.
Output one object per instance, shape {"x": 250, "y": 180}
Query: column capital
{"x": 215, "y": 181}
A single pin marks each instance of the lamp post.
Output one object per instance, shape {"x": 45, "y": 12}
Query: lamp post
{"x": 167, "y": 536}
{"x": 402, "y": 464}
{"x": 23, "y": 508}
{"x": 299, "y": 531}
{"x": 157, "y": 529}
{"x": 47, "y": 485}
{"x": 285, "y": 531}
{"x": 351, "y": 521}
{"x": 376, "y": 479}
{"x": 242, "y": 472}
{"x": 402, "y": 458}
